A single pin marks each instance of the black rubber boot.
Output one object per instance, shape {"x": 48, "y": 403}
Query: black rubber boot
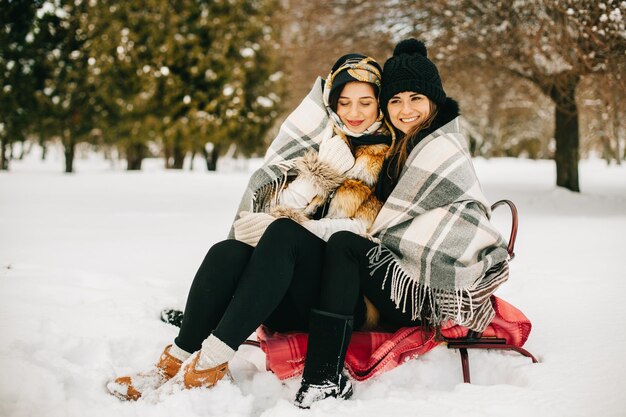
{"x": 329, "y": 336}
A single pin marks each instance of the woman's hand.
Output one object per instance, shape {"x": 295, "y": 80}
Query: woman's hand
{"x": 324, "y": 228}
{"x": 250, "y": 226}
{"x": 336, "y": 153}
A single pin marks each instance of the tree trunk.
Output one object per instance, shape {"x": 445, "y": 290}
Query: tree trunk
{"x": 25, "y": 149}
{"x": 41, "y": 130}
{"x": 4, "y": 162}
{"x": 69, "y": 148}
{"x": 193, "y": 156}
{"x": 167, "y": 154}
{"x": 135, "y": 153}
{"x": 616, "y": 124}
{"x": 211, "y": 156}
{"x": 566, "y": 132}
{"x": 178, "y": 154}
{"x": 44, "y": 148}
{"x": 607, "y": 152}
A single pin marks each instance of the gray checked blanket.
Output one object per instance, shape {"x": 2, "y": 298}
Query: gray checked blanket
{"x": 436, "y": 241}
{"x": 303, "y": 129}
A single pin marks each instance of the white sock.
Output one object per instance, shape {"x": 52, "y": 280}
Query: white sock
{"x": 178, "y": 353}
{"x": 214, "y": 352}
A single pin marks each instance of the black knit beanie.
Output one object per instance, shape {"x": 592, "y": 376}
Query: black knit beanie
{"x": 409, "y": 69}
{"x": 350, "y": 63}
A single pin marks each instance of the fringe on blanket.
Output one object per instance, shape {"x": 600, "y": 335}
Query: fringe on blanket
{"x": 262, "y": 197}
{"x": 469, "y": 308}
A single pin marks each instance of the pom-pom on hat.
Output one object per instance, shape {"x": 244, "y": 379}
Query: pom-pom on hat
{"x": 409, "y": 69}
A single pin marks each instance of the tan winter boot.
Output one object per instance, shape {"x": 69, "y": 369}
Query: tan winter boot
{"x": 130, "y": 387}
{"x": 195, "y": 378}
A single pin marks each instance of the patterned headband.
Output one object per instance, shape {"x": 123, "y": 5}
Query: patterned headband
{"x": 362, "y": 69}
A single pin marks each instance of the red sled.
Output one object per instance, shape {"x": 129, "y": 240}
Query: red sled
{"x": 371, "y": 353}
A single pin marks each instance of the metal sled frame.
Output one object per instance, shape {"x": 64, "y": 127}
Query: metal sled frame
{"x": 474, "y": 340}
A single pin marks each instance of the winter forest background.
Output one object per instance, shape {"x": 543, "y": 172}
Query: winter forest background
{"x": 540, "y": 79}
{"x": 138, "y": 99}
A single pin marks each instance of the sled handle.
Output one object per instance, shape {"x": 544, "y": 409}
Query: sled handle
{"x": 511, "y": 247}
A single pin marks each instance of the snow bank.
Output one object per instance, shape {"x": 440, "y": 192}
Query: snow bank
{"x": 88, "y": 260}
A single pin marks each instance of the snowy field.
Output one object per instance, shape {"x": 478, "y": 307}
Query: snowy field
{"x": 88, "y": 260}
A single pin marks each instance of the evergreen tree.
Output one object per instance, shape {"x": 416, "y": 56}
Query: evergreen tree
{"x": 67, "y": 99}
{"x": 186, "y": 73}
{"x": 17, "y": 73}
{"x": 122, "y": 56}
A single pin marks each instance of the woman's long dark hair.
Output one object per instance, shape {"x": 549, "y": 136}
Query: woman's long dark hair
{"x": 400, "y": 152}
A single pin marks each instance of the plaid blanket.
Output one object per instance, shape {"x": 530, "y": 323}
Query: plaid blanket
{"x": 372, "y": 353}
{"x": 438, "y": 247}
{"x": 303, "y": 129}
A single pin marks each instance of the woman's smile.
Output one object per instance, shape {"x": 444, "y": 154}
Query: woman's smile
{"x": 407, "y": 110}
{"x": 355, "y": 122}
{"x": 408, "y": 119}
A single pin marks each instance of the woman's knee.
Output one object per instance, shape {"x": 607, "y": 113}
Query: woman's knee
{"x": 224, "y": 261}
{"x": 347, "y": 245}
{"x": 342, "y": 242}
{"x": 230, "y": 251}
{"x": 282, "y": 229}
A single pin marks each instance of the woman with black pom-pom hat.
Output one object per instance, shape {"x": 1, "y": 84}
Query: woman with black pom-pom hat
{"x": 431, "y": 257}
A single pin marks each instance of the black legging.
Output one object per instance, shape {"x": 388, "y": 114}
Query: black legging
{"x": 238, "y": 287}
{"x": 346, "y": 279}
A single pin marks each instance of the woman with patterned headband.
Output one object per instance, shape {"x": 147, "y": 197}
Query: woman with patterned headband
{"x": 319, "y": 177}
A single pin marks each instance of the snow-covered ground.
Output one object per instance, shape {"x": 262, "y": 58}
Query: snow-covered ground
{"x": 88, "y": 260}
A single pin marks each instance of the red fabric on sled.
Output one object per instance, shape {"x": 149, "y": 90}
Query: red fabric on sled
{"x": 509, "y": 323}
{"x": 371, "y": 353}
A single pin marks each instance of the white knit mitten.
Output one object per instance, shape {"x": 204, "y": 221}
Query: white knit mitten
{"x": 325, "y": 228}
{"x": 250, "y": 226}
{"x": 336, "y": 153}
{"x": 298, "y": 193}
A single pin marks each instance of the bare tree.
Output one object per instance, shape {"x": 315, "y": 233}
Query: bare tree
{"x": 509, "y": 116}
{"x": 551, "y": 43}
{"x": 611, "y": 90}
{"x": 316, "y": 34}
